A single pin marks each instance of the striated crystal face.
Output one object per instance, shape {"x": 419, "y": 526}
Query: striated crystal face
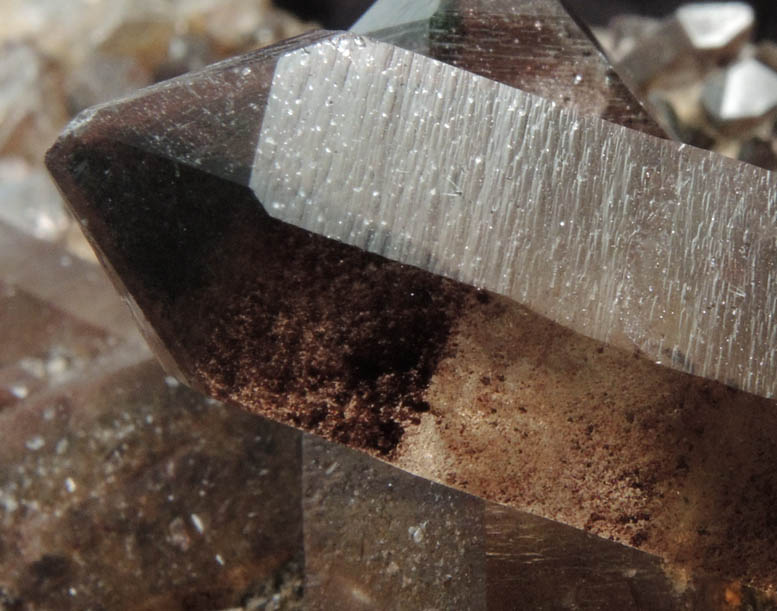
{"x": 461, "y": 386}
{"x": 608, "y": 231}
{"x": 534, "y": 45}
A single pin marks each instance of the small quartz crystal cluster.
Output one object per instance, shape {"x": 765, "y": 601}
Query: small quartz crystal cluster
{"x": 58, "y": 58}
{"x": 705, "y": 79}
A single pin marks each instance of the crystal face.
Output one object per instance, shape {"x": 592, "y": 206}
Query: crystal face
{"x": 540, "y": 48}
{"x": 608, "y": 231}
{"x": 713, "y": 26}
{"x": 747, "y": 90}
{"x": 382, "y": 15}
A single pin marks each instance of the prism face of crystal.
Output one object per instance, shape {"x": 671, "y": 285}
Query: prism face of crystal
{"x": 631, "y": 251}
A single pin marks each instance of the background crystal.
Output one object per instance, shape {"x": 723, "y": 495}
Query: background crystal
{"x": 746, "y": 90}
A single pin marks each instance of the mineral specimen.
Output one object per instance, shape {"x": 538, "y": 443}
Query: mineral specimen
{"x": 457, "y": 385}
{"x": 602, "y": 229}
{"x": 692, "y": 40}
{"x": 745, "y": 91}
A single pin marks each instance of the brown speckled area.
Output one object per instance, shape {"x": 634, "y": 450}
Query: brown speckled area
{"x": 326, "y": 337}
{"x": 534, "y": 416}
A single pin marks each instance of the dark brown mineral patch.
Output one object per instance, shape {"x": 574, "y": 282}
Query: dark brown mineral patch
{"x": 332, "y": 339}
{"x": 284, "y": 322}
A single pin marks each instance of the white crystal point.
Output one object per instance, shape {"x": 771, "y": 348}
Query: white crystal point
{"x": 712, "y": 25}
{"x": 745, "y": 90}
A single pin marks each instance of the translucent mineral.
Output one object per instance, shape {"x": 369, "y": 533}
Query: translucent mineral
{"x": 689, "y": 42}
{"x": 459, "y": 385}
{"x": 716, "y": 26}
{"x": 586, "y": 249}
{"x": 745, "y": 91}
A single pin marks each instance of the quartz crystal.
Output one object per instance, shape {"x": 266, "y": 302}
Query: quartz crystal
{"x": 202, "y": 506}
{"x": 631, "y": 250}
{"x": 458, "y": 385}
{"x": 745, "y": 91}
{"x": 716, "y": 26}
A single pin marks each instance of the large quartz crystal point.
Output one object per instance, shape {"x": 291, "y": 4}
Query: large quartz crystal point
{"x": 145, "y": 177}
{"x": 156, "y": 181}
{"x": 457, "y": 385}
